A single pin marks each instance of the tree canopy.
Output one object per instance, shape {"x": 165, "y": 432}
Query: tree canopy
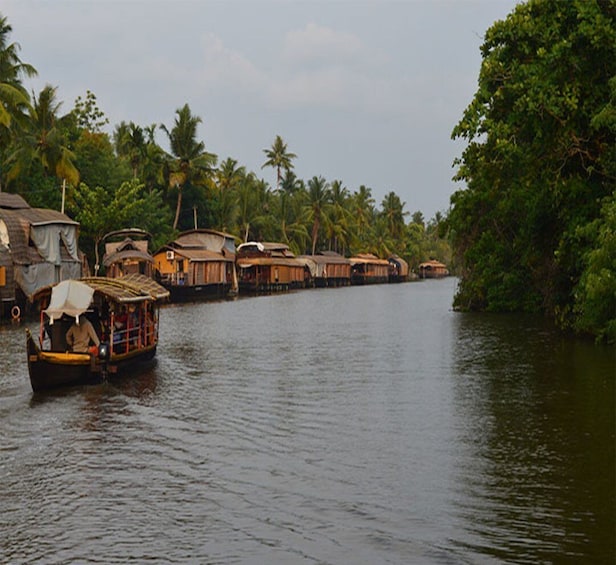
{"x": 539, "y": 165}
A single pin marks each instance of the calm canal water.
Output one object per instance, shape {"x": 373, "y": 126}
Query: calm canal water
{"x": 337, "y": 426}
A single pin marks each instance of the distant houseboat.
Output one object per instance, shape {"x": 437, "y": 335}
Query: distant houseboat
{"x": 127, "y": 252}
{"x": 432, "y": 270}
{"x": 268, "y": 266}
{"x": 198, "y": 264}
{"x": 38, "y": 247}
{"x": 327, "y": 268}
{"x": 398, "y": 269}
{"x": 367, "y": 268}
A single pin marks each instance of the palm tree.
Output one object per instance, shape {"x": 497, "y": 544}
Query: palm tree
{"x": 43, "y": 140}
{"x": 319, "y": 199}
{"x": 393, "y": 210}
{"x": 130, "y": 144}
{"x": 363, "y": 214}
{"x": 228, "y": 178}
{"x": 279, "y": 158}
{"x": 14, "y": 98}
{"x": 190, "y": 163}
{"x": 338, "y": 226}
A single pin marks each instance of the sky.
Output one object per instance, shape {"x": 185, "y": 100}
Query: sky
{"x": 362, "y": 91}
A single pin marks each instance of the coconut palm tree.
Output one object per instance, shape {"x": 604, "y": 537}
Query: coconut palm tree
{"x": 279, "y": 158}
{"x": 228, "y": 178}
{"x": 393, "y": 210}
{"x": 190, "y": 164}
{"x": 319, "y": 201}
{"x": 42, "y": 139}
{"x": 130, "y": 144}
{"x": 14, "y": 98}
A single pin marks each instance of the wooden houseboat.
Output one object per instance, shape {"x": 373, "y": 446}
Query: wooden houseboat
{"x": 127, "y": 252}
{"x": 327, "y": 268}
{"x": 38, "y": 247}
{"x": 198, "y": 264}
{"x": 267, "y": 267}
{"x": 367, "y": 268}
{"x": 432, "y": 270}
{"x": 398, "y": 269}
{"x": 119, "y": 317}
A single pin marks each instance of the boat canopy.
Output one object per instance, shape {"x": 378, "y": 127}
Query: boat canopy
{"x": 74, "y": 297}
{"x": 70, "y": 297}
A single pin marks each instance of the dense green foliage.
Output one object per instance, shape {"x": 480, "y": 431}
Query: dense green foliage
{"x": 534, "y": 228}
{"x": 129, "y": 180}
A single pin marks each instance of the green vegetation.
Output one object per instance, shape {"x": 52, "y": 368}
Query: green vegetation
{"x": 534, "y": 230}
{"x": 57, "y": 161}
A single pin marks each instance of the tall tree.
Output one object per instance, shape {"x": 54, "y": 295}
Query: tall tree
{"x": 535, "y": 165}
{"x": 319, "y": 200}
{"x": 228, "y": 178}
{"x": 393, "y": 211}
{"x": 14, "y": 98}
{"x": 279, "y": 158}
{"x": 43, "y": 140}
{"x": 191, "y": 164}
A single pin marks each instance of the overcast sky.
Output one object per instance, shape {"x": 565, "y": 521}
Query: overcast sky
{"x": 366, "y": 92}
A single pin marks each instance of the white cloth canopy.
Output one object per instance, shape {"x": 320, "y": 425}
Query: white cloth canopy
{"x": 69, "y": 297}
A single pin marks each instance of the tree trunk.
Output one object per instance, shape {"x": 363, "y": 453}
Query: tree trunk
{"x": 177, "y": 208}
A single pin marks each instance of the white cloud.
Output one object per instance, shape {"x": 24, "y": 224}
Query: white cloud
{"x": 318, "y": 43}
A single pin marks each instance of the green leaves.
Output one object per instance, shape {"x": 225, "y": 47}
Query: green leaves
{"x": 540, "y": 155}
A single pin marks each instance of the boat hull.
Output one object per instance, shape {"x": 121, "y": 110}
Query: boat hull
{"x": 50, "y": 370}
{"x": 190, "y": 293}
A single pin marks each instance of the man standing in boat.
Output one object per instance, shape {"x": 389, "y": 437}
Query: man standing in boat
{"x": 79, "y": 335}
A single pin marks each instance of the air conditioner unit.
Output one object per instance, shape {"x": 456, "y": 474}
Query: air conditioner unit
{"x": 170, "y": 255}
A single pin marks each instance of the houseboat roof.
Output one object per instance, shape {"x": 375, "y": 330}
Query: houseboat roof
{"x": 367, "y": 258}
{"x": 263, "y": 246}
{"x": 130, "y": 253}
{"x": 432, "y": 264}
{"x": 326, "y": 258}
{"x": 19, "y": 217}
{"x": 74, "y": 296}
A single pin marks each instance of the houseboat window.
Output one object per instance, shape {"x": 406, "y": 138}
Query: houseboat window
{"x": 2, "y": 276}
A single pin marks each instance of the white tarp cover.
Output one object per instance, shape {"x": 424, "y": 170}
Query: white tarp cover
{"x": 69, "y": 297}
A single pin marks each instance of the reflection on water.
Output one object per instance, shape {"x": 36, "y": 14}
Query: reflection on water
{"x": 537, "y": 472}
{"x": 353, "y": 425}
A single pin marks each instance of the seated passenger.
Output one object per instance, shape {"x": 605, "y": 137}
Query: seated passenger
{"x": 80, "y": 334}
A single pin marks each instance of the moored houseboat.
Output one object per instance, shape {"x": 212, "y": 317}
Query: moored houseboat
{"x": 127, "y": 252}
{"x": 91, "y": 328}
{"x": 432, "y": 270}
{"x": 199, "y": 264}
{"x": 398, "y": 269}
{"x": 367, "y": 268}
{"x": 267, "y": 267}
{"x": 38, "y": 247}
{"x": 327, "y": 268}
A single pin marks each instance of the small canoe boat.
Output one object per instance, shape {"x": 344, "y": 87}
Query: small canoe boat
{"x": 124, "y": 314}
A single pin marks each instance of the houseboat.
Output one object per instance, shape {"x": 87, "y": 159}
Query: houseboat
{"x": 93, "y": 328}
{"x": 127, "y": 252}
{"x": 367, "y": 268}
{"x": 327, "y": 268}
{"x": 398, "y": 269}
{"x": 432, "y": 270}
{"x": 198, "y": 264}
{"x": 38, "y": 247}
{"x": 268, "y": 266}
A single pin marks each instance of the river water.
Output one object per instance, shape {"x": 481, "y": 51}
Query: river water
{"x": 359, "y": 425}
